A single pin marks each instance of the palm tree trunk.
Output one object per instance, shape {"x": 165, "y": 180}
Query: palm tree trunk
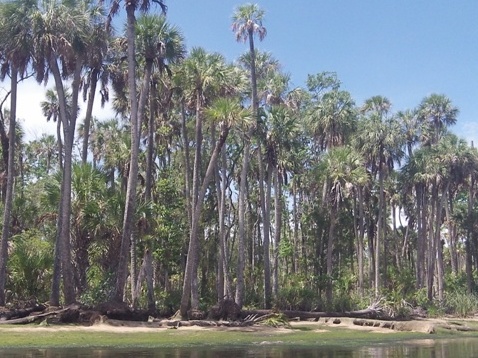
{"x": 7, "y": 213}
{"x": 187, "y": 161}
{"x": 266, "y": 213}
{"x": 192, "y": 262}
{"x": 278, "y": 228}
{"x": 88, "y": 114}
{"x": 361, "y": 234}
{"x": 150, "y": 149}
{"x": 470, "y": 233}
{"x": 239, "y": 298}
{"x": 63, "y": 236}
{"x": 380, "y": 229}
{"x": 130, "y": 205}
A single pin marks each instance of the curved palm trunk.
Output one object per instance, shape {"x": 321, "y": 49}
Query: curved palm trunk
{"x": 63, "y": 244}
{"x": 195, "y": 196}
{"x": 192, "y": 262}
{"x": 187, "y": 160}
{"x": 130, "y": 205}
{"x": 9, "y": 190}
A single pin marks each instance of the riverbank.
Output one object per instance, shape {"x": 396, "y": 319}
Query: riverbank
{"x": 326, "y": 332}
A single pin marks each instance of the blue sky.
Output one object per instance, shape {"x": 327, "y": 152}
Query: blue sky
{"x": 401, "y": 49}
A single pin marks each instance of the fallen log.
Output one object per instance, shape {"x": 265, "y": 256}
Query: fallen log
{"x": 37, "y": 317}
{"x": 303, "y": 315}
{"x": 21, "y": 312}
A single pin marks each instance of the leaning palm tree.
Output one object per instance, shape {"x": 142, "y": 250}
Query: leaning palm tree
{"x": 159, "y": 45}
{"x": 247, "y": 23}
{"x": 205, "y": 75}
{"x": 14, "y": 46}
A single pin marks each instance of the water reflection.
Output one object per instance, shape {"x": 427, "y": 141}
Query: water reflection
{"x": 417, "y": 349}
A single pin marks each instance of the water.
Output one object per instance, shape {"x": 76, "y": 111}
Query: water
{"x": 428, "y": 348}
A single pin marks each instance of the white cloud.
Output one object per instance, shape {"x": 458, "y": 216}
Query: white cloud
{"x": 30, "y": 95}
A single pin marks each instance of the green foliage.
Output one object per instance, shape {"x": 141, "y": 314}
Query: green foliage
{"x": 455, "y": 283}
{"x": 276, "y": 320}
{"x": 99, "y": 286}
{"x": 296, "y": 294}
{"x": 461, "y": 304}
{"x": 30, "y": 266}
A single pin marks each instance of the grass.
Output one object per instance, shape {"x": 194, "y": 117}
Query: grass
{"x": 12, "y": 337}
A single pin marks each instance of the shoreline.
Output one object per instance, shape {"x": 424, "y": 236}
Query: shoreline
{"x": 304, "y": 333}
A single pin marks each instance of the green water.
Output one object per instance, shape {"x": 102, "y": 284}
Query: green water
{"x": 427, "y": 348}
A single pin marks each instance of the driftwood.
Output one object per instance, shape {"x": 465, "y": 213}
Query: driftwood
{"x": 33, "y": 318}
{"x": 21, "y": 312}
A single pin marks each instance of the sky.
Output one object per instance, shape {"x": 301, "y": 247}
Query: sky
{"x": 404, "y": 50}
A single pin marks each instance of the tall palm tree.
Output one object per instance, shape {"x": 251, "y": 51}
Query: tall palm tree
{"x": 380, "y": 142}
{"x": 131, "y": 8}
{"x": 96, "y": 71}
{"x": 247, "y": 24}
{"x": 14, "y": 46}
{"x": 160, "y": 45}
{"x": 438, "y": 112}
{"x": 343, "y": 168}
{"x": 205, "y": 74}
{"x": 60, "y": 41}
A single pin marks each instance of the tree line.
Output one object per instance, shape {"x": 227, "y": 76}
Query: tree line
{"x": 219, "y": 180}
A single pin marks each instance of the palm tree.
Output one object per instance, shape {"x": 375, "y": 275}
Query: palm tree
{"x": 160, "y": 46}
{"x": 438, "y": 112}
{"x": 380, "y": 142}
{"x": 14, "y": 46}
{"x": 96, "y": 70}
{"x": 343, "y": 167}
{"x": 51, "y": 111}
{"x": 205, "y": 75}
{"x": 247, "y": 23}
{"x": 131, "y": 7}
{"x": 333, "y": 118}
{"x": 61, "y": 29}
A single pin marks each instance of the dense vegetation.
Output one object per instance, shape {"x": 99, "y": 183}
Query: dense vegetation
{"x": 218, "y": 180}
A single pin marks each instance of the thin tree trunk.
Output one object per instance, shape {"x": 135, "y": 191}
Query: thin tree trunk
{"x": 266, "y": 213}
{"x": 130, "y": 205}
{"x": 242, "y": 223}
{"x": 62, "y": 246}
{"x": 148, "y": 182}
{"x": 278, "y": 228}
{"x": 187, "y": 166}
{"x": 88, "y": 114}
{"x": 7, "y": 213}
{"x": 192, "y": 262}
